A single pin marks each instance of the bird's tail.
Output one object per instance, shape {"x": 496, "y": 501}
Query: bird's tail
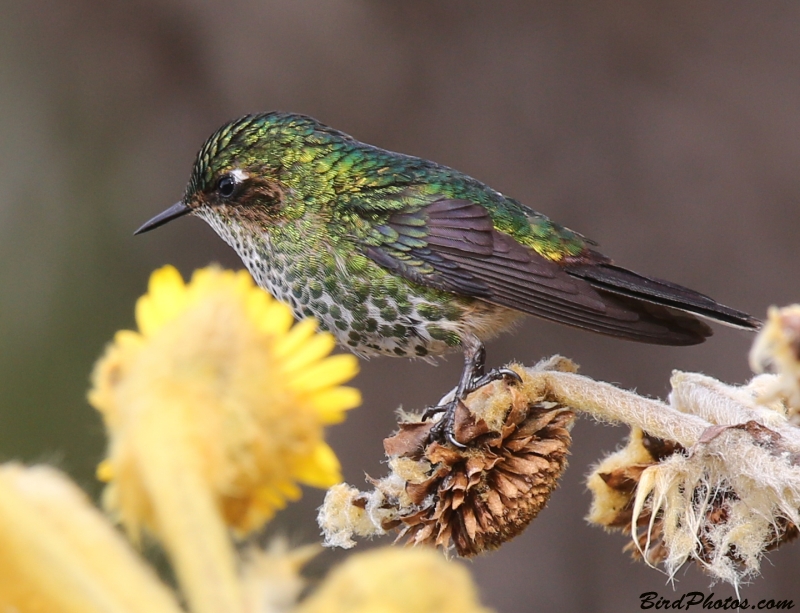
{"x": 622, "y": 282}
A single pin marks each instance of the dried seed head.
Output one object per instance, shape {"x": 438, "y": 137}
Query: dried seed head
{"x": 476, "y": 498}
{"x": 614, "y": 484}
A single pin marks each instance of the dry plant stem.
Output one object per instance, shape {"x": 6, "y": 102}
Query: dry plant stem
{"x": 718, "y": 404}
{"x": 608, "y": 403}
{"x": 709, "y": 399}
{"x": 604, "y": 401}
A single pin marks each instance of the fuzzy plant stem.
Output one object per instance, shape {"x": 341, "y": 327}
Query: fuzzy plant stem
{"x": 605, "y": 402}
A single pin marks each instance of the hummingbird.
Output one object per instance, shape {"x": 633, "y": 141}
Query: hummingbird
{"x": 397, "y": 255}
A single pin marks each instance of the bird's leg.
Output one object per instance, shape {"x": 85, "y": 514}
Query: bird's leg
{"x": 473, "y": 377}
{"x": 480, "y": 378}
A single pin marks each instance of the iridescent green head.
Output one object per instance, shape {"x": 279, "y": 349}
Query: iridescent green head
{"x": 245, "y": 169}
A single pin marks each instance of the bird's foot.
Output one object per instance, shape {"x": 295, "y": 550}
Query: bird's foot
{"x": 444, "y": 429}
{"x": 493, "y": 375}
{"x": 431, "y": 411}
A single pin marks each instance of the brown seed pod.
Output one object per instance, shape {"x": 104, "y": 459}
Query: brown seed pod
{"x": 476, "y": 498}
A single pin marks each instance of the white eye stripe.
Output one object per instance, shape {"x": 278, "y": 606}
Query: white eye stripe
{"x": 239, "y": 175}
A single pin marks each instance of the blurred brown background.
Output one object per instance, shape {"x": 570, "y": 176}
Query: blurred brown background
{"x": 669, "y": 132}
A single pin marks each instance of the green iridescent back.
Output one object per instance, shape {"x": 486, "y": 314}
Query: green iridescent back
{"x": 330, "y": 170}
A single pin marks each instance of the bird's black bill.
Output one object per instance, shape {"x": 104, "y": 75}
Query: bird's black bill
{"x": 179, "y": 209}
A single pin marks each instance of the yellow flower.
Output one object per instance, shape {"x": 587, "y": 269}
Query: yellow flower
{"x": 394, "y": 580}
{"x": 215, "y": 411}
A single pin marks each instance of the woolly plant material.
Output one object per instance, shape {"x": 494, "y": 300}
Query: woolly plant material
{"x": 723, "y": 502}
{"x": 613, "y": 484}
{"x": 467, "y": 500}
{"x": 718, "y": 507}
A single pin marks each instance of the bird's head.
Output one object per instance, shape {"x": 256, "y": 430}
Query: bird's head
{"x": 245, "y": 172}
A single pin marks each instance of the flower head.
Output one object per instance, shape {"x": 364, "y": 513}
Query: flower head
{"x": 215, "y": 411}
{"x": 250, "y": 391}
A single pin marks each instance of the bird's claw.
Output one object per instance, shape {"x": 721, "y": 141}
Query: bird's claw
{"x": 493, "y": 375}
{"x": 444, "y": 429}
{"x": 431, "y": 411}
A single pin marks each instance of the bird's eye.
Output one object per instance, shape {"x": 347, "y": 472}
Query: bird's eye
{"x": 226, "y": 186}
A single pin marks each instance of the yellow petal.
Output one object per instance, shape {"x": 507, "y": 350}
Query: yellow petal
{"x": 270, "y": 497}
{"x": 257, "y": 304}
{"x": 163, "y": 302}
{"x": 332, "y": 403}
{"x": 295, "y": 338}
{"x": 276, "y": 319}
{"x": 289, "y": 489}
{"x": 310, "y": 352}
{"x": 321, "y": 469}
{"x": 105, "y": 471}
{"x": 334, "y": 370}
{"x": 202, "y": 278}
{"x": 128, "y": 339}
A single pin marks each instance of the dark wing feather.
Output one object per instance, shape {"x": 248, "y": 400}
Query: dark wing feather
{"x": 452, "y": 245}
{"x": 623, "y": 282}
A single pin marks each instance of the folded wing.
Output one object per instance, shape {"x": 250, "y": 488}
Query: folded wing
{"x": 452, "y": 245}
